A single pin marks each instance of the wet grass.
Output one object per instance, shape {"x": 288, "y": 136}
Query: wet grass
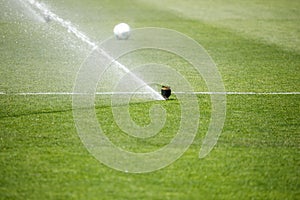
{"x": 42, "y": 156}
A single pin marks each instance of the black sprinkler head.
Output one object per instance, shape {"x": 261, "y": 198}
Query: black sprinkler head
{"x": 166, "y": 92}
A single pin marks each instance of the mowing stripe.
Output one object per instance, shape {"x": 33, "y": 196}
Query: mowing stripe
{"x": 126, "y": 93}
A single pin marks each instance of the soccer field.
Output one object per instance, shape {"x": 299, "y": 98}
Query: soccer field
{"x": 255, "y": 46}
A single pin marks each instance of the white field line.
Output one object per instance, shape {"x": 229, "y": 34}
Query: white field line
{"x": 241, "y": 93}
{"x": 132, "y": 93}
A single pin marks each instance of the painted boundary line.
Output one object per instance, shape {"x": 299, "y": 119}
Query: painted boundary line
{"x": 241, "y": 93}
{"x": 126, "y": 93}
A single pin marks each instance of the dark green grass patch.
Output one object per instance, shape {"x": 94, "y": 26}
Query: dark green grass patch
{"x": 42, "y": 157}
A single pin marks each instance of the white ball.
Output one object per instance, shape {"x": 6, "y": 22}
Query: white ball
{"x": 122, "y": 31}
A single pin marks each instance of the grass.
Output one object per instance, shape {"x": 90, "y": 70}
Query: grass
{"x": 257, "y": 155}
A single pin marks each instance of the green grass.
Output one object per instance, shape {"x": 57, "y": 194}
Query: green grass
{"x": 255, "y": 46}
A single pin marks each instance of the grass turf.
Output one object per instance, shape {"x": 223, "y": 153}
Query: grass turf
{"x": 256, "y": 156}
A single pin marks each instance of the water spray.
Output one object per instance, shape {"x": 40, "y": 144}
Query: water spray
{"x": 48, "y": 16}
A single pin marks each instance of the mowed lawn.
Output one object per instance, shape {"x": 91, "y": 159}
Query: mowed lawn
{"x": 255, "y": 46}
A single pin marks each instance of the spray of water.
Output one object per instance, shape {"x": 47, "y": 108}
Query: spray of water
{"x": 41, "y": 9}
